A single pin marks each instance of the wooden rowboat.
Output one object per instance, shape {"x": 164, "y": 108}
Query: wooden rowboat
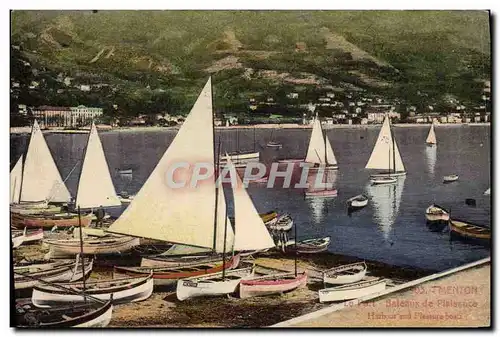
{"x": 170, "y": 275}
{"x": 30, "y": 235}
{"x": 309, "y": 246}
{"x": 450, "y": 178}
{"x": 469, "y": 232}
{"x": 436, "y": 218}
{"x": 178, "y": 261}
{"x": 61, "y": 221}
{"x": 358, "y": 201}
{"x": 284, "y": 223}
{"x": 351, "y": 291}
{"x": 118, "y": 291}
{"x": 117, "y": 244}
{"x": 212, "y": 285}
{"x": 269, "y": 216}
{"x": 345, "y": 274}
{"x": 49, "y": 272}
{"x": 272, "y": 284}
{"x": 87, "y": 315}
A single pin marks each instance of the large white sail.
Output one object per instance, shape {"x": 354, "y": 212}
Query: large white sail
{"x": 316, "y": 149}
{"x": 180, "y": 215}
{"x": 383, "y": 156}
{"x": 16, "y": 175}
{"x": 431, "y": 137}
{"x": 41, "y": 178}
{"x": 250, "y": 231}
{"x": 95, "y": 187}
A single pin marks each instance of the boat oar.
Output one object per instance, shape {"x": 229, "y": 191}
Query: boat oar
{"x": 55, "y": 285}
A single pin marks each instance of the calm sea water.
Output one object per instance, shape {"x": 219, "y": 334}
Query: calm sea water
{"x": 390, "y": 229}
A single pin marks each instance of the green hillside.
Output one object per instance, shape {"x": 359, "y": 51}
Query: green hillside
{"x": 159, "y": 60}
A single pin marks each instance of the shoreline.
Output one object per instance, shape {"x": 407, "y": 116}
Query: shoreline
{"x": 27, "y": 129}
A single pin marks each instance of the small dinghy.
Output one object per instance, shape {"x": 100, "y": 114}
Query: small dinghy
{"x": 383, "y": 180}
{"x": 46, "y": 221}
{"x": 345, "y": 274}
{"x": 87, "y": 315}
{"x": 28, "y": 276}
{"x": 309, "y": 246}
{"x": 212, "y": 284}
{"x": 118, "y": 244}
{"x": 450, "y": 178}
{"x": 283, "y": 223}
{"x": 469, "y": 232}
{"x": 358, "y": 201}
{"x": 119, "y": 291}
{"x": 274, "y": 145}
{"x": 351, "y": 291}
{"x": 272, "y": 284}
{"x": 436, "y": 217}
{"x": 125, "y": 198}
{"x": 170, "y": 275}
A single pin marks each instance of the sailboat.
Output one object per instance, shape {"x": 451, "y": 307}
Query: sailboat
{"x": 37, "y": 181}
{"x": 431, "y": 137}
{"x": 385, "y": 156}
{"x": 320, "y": 152}
{"x": 95, "y": 189}
{"x": 250, "y": 234}
{"x": 193, "y": 216}
{"x": 272, "y": 143}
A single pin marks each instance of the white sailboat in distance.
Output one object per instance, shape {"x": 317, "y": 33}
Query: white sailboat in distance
{"x": 320, "y": 152}
{"x": 431, "y": 137}
{"x": 385, "y": 156}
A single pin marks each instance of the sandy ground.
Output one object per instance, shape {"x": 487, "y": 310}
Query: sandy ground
{"x": 459, "y": 300}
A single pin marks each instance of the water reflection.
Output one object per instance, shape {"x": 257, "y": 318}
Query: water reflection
{"x": 319, "y": 205}
{"x": 386, "y": 200}
{"x": 431, "y": 156}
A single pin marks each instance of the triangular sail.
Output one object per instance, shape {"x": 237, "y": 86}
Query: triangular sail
{"x": 16, "y": 176}
{"x": 383, "y": 156}
{"x": 316, "y": 149}
{"x": 185, "y": 215}
{"x": 431, "y": 137}
{"x": 250, "y": 231}
{"x": 95, "y": 187}
{"x": 41, "y": 178}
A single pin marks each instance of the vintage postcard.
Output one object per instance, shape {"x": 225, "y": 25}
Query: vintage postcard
{"x": 244, "y": 168}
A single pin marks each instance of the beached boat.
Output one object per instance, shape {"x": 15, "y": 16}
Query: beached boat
{"x": 437, "y": 217}
{"x": 18, "y": 238}
{"x": 431, "y": 137}
{"x": 178, "y": 261}
{"x": 88, "y": 231}
{"x": 309, "y": 246}
{"x": 320, "y": 153}
{"x": 469, "y": 232}
{"x": 358, "y": 201}
{"x": 117, "y": 244}
{"x": 28, "y": 276}
{"x": 37, "y": 181}
{"x": 385, "y": 155}
{"x": 30, "y": 235}
{"x": 272, "y": 284}
{"x": 345, "y": 274}
{"x": 213, "y": 284}
{"x": 351, "y": 291}
{"x": 83, "y": 315}
{"x": 283, "y": 223}
{"x": 48, "y": 210}
{"x": 450, "y": 178}
{"x": 383, "y": 180}
{"x": 118, "y": 291}
{"x": 170, "y": 275}
{"x": 49, "y": 221}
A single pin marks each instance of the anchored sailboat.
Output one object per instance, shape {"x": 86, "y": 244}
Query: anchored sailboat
{"x": 320, "y": 152}
{"x": 385, "y": 156}
{"x": 431, "y": 137}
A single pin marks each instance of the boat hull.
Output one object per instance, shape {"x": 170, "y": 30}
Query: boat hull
{"x": 22, "y": 221}
{"x": 34, "y": 211}
{"x": 312, "y": 246}
{"x": 91, "y": 247}
{"x": 273, "y": 284}
{"x": 17, "y": 240}
{"x": 383, "y": 180}
{"x": 388, "y": 174}
{"x": 134, "y": 291}
{"x": 344, "y": 294}
{"x": 321, "y": 194}
{"x": 212, "y": 285}
{"x": 178, "y": 261}
{"x": 469, "y": 233}
{"x": 355, "y": 273}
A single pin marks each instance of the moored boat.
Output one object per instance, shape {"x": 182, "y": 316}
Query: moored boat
{"x": 358, "y": 201}
{"x": 351, "y": 291}
{"x": 469, "y": 232}
{"x": 310, "y": 246}
{"x": 274, "y": 145}
{"x": 212, "y": 284}
{"x": 437, "y": 218}
{"x": 118, "y": 291}
{"x": 49, "y": 221}
{"x": 345, "y": 274}
{"x": 272, "y": 284}
{"x": 87, "y": 315}
{"x": 320, "y": 152}
{"x": 450, "y": 178}
{"x": 170, "y": 275}
{"x": 431, "y": 137}
{"x": 283, "y": 223}
{"x": 117, "y": 244}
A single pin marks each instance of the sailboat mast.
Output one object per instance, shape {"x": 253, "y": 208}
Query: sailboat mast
{"x": 216, "y": 169}
{"x": 224, "y": 248}
{"x": 81, "y": 253}
{"x": 393, "y": 150}
{"x": 295, "y": 244}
